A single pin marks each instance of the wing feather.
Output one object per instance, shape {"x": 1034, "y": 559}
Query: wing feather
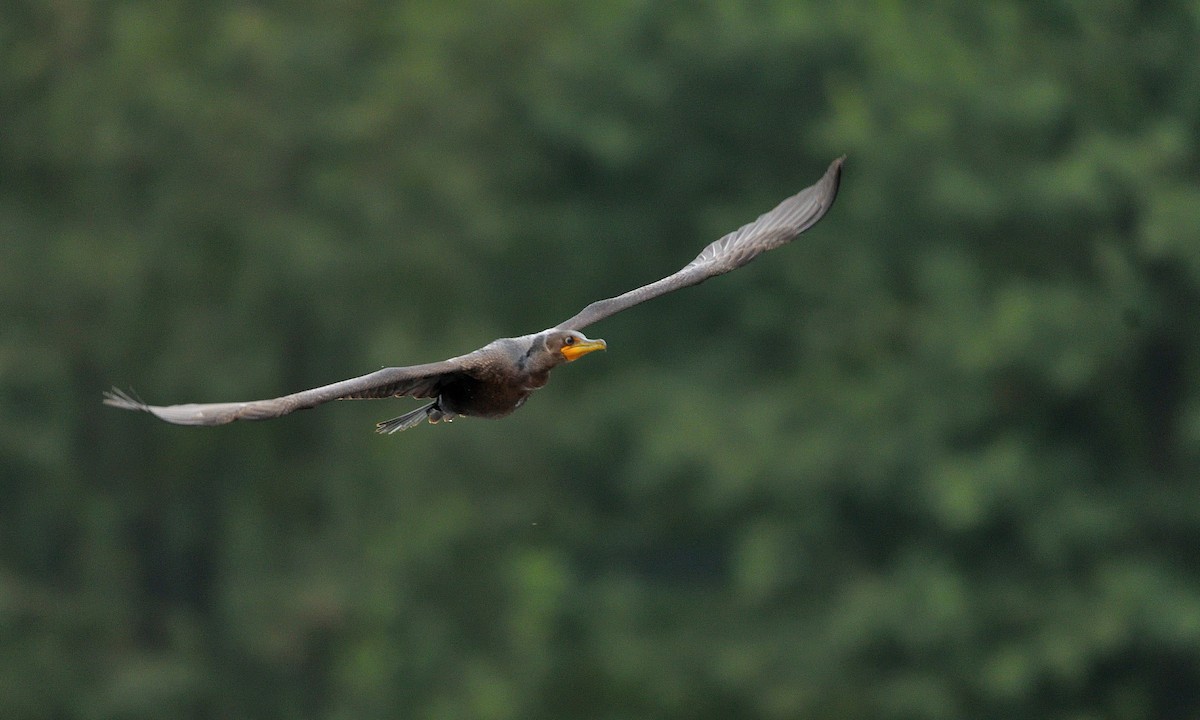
{"x": 414, "y": 381}
{"x": 772, "y": 229}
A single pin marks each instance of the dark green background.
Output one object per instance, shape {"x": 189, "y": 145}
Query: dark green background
{"x": 938, "y": 459}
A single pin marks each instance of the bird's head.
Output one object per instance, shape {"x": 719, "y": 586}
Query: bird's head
{"x": 569, "y": 345}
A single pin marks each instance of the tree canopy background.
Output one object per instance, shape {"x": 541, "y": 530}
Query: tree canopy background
{"x": 940, "y": 458}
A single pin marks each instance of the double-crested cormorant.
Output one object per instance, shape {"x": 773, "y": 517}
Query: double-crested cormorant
{"x": 496, "y": 379}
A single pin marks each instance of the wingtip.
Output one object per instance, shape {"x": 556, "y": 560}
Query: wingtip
{"x": 118, "y": 398}
{"x": 835, "y": 167}
{"x": 833, "y": 177}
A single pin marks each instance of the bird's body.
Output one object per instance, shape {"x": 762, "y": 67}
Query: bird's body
{"x": 498, "y": 378}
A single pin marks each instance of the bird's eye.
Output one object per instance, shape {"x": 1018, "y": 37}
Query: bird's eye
{"x": 569, "y": 340}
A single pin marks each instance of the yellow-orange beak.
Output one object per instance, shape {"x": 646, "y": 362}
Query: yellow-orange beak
{"x": 581, "y": 348}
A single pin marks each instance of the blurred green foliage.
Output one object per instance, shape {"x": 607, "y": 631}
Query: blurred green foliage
{"x": 938, "y": 459}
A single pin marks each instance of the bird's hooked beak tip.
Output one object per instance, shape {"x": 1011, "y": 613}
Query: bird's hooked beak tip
{"x": 581, "y": 348}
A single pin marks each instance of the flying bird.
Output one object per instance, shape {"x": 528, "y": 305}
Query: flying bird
{"x": 499, "y": 377}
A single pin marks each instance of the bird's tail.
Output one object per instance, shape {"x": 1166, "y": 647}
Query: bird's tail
{"x": 414, "y": 418}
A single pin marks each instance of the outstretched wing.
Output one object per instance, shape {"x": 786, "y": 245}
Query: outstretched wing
{"x": 415, "y": 381}
{"x": 777, "y": 227}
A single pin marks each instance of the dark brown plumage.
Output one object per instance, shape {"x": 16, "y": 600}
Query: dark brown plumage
{"x": 496, "y": 379}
